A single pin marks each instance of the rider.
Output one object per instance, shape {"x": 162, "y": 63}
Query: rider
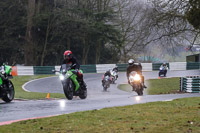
{"x": 164, "y": 65}
{"x": 134, "y": 67}
{"x": 69, "y": 59}
{"x": 107, "y": 73}
{"x": 115, "y": 69}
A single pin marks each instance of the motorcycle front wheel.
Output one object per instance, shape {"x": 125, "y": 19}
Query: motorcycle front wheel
{"x": 83, "y": 94}
{"x": 10, "y": 93}
{"x": 139, "y": 90}
{"x": 68, "y": 89}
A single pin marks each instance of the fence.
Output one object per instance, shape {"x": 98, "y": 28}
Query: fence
{"x": 190, "y": 84}
{"x": 101, "y": 68}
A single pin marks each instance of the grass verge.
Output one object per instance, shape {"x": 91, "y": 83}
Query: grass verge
{"x": 18, "y": 81}
{"x": 176, "y": 116}
{"x": 163, "y": 86}
{"x": 157, "y": 86}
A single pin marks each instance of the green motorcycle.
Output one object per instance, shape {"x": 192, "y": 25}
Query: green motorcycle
{"x": 7, "y": 91}
{"x": 72, "y": 84}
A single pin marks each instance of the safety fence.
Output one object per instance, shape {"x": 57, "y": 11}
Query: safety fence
{"x": 101, "y": 68}
{"x": 190, "y": 84}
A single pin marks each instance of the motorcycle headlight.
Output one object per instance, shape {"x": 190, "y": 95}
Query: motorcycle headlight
{"x": 137, "y": 77}
{"x": 61, "y": 77}
{"x": 131, "y": 78}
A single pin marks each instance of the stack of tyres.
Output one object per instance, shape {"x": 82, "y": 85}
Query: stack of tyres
{"x": 190, "y": 84}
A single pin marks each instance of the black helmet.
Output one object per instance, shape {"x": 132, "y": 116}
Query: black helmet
{"x": 131, "y": 61}
{"x": 108, "y": 71}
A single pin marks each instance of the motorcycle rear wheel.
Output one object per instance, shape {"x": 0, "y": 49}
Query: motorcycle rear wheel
{"x": 68, "y": 89}
{"x": 10, "y": 93}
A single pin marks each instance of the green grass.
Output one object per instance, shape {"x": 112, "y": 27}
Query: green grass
{"x": 178, "y": 116}
{"x": 163, "y": 86}
{"x": 157, "y": 86}
{"x": 18, "y": 81}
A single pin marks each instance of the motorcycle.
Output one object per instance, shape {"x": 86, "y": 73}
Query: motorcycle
{"x": 114, "y": 76}
{"x": 106, "y": 83}
{"x": 135, "y": 81}
{"x": 7, "y": 91}
{"x": 72, "y": 85}
{"x": 162, "y": 72}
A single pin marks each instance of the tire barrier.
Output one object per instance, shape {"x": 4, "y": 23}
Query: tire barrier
{"x": 193, "y": 65}
{"x": 190, "y": 84}
{"x": 101, "y": 68}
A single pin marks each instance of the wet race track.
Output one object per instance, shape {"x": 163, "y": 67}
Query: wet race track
{"x": 97, "y": 98}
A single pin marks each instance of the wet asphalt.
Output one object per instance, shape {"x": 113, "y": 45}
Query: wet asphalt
{"x": 97, "y": 98}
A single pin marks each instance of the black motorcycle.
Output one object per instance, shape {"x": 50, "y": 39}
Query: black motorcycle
{"x": 7, "y": 91}
{"x": 106, "y": 83}
{"x": 136, "y": 82}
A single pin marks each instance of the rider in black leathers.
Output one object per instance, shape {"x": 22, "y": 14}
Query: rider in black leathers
{"x": 107, "y": 73}
{"x": 134, "y": 67}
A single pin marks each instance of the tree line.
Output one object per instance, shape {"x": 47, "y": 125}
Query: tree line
{"x": 37, "y": 32}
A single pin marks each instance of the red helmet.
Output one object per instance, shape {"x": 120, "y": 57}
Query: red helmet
{"x": 68, "y": 54}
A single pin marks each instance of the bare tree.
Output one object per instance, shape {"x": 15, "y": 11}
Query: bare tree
{"x": 169, "y": 23}
{"x": 29, "y": 44}
{"x": 134, "y": 27}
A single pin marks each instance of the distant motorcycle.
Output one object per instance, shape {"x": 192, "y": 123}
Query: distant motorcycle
{"x": 136, "y": 82}
{"x": 7, "y": 91}
{"x": 114, "y": 76}
{"x": 67, "y": 77}
{"x": 106, "y": 83}
{"x": 162, "y": 72}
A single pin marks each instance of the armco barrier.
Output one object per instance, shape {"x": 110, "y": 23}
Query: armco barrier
{"x": 25, "y": 70}
{"x": 43, "y": 69}
{"x": 193, "y": 65}
{"x": 156, "y": 66}
{"x": 84, "y": 68}
{"x": 190, "y": 84}
{"x": 88, "y": 68}
{"x": 177, "y": 66}
{"x": 146, "y": 66}
{"x": 102, "y": 68}
{"x": 122, "y": 67}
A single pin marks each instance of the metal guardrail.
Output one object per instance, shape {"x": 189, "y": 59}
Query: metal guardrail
{"x": 190, "y": 84}
{"x": 101, "y": 68}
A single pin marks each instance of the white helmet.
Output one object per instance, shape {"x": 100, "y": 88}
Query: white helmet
{"x": 131, "y": 61}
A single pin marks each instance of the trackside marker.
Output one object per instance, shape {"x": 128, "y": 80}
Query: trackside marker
{"x": 48, "y": 96}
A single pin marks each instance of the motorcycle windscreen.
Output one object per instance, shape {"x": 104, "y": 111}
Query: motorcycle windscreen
{"x": 107, "y": 77}
{"x": 133, "y": 73}
{"x": 65, "y": 66}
